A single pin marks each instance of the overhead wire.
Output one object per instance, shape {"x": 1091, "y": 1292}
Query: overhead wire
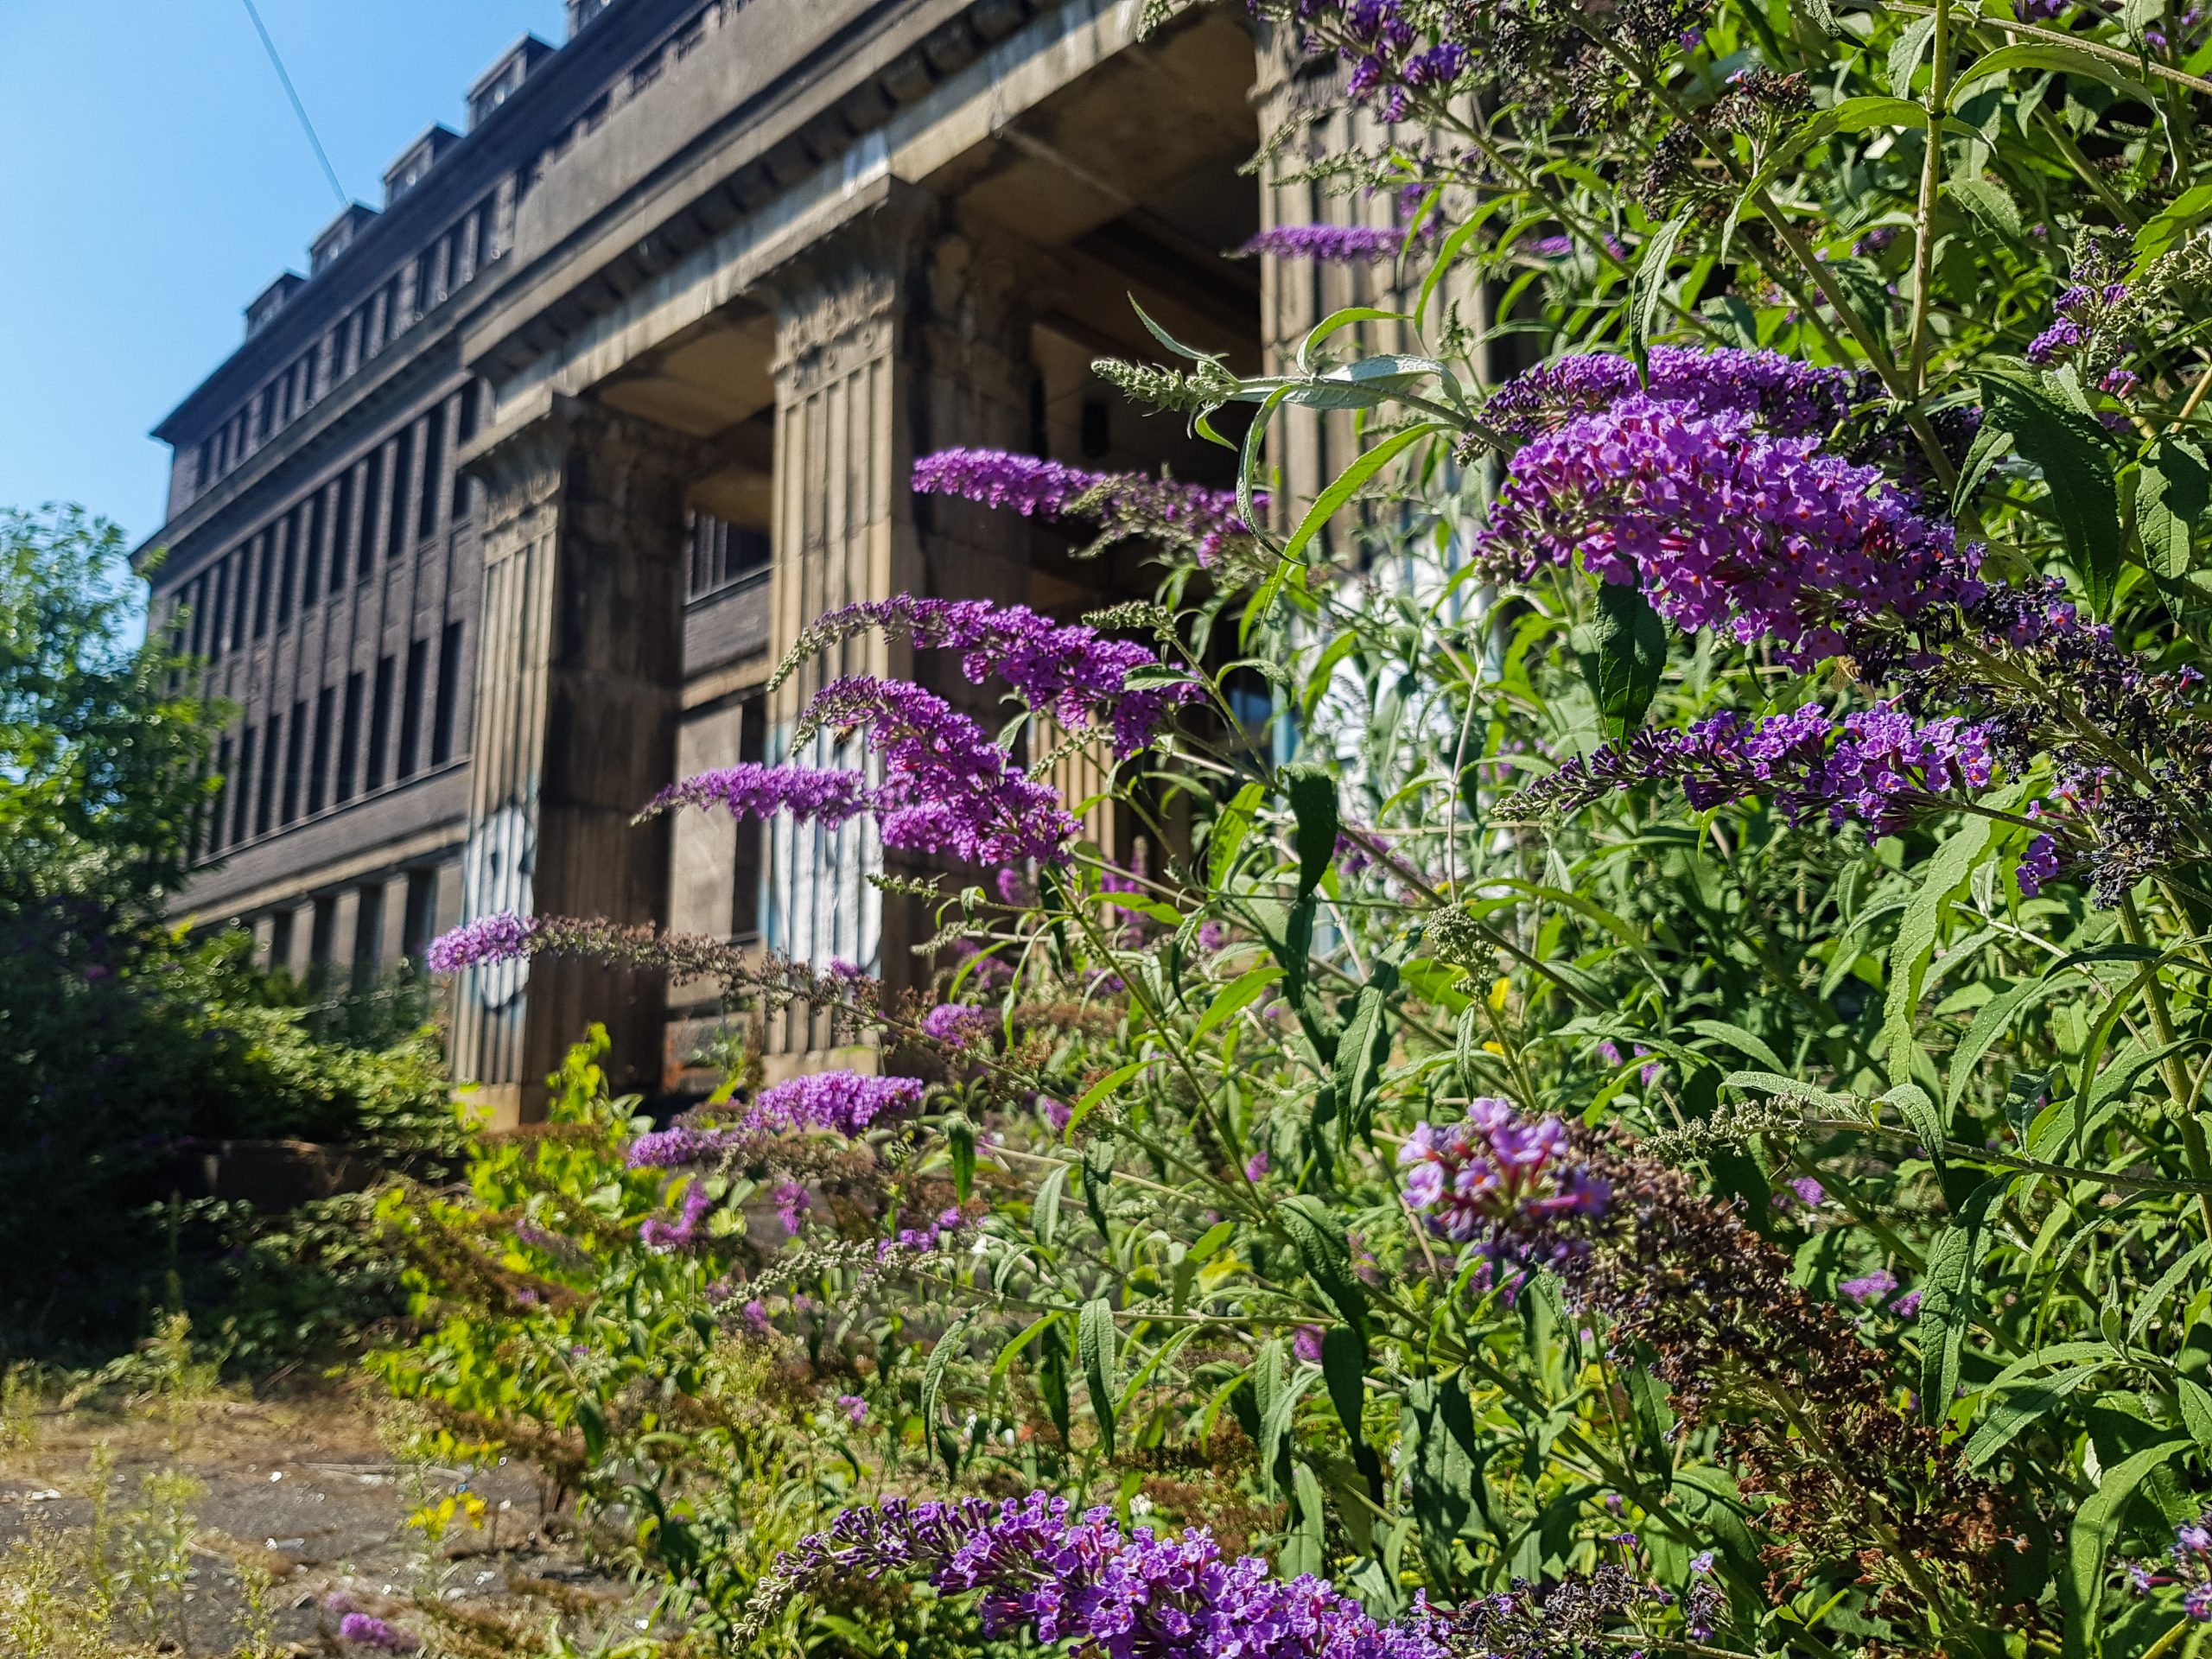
{"x": 298, "y": 108}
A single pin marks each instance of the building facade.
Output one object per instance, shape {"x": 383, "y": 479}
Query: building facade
{"x": 501, "y": 516}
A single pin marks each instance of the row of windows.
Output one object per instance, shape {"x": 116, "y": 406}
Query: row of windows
{"x": 381, "y": 729}
{"x": 418, "y": 922}
{"x": 444, "y": 266}
{"x": 722, "y": 555}
{"x": 335, "y": 534}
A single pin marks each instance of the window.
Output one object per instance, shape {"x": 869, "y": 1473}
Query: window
{"x": 368, "y": 937}
{"x": 434, "y": 438}
{"x": 240, "y": 789}
{"x": 379, "y": 726}
{"x": 198, "y": 602}
{"x": 204, "y": 474}
{"x": 287, "y": 566}
{"x": 391, "y": 323}
{"x": 349, "y": 741}
{"x": 448, "y": 708}
{"x": 722, "y": 554}
{"x": 264, "y": 805}
{"x": 419, "y": 926}
{"x": 372, "y": 483}
{"x": 326, "y": 707}
{"x": 395, "y": 523}
{"x": 464, "y": 430}
{"x": 341, "y": 530}
{"x": 410, "y": 709}
{"x": 222, "y": 583}
{"x": 322, "y": 940}
{"x": 314, "y": 529}
{"x": 487, "y": 220}
{"x": 260, "y": 565}
{"x": 297, "y": 736}
{"x": 279, "y": 939}
{"x": 745, "y": 877}
{"x": 211, "y": 832}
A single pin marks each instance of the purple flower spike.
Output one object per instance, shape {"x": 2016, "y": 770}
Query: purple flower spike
{"x": 844, "y": 1103}
{"x": 490, "y": 938}
{"x": 1869, "y": 1288}
{"x": 366, "y": 1630}
{"x": 752, "y": 790}
{"x": 1329, "y": 244}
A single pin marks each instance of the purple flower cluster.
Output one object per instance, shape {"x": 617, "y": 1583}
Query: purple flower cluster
{"x": 2038, "y": 867}
{"x": 2089, "y": 319}
{"x": 1046, "y": 489}
{"x": 947, "y": 788}
{"x": 679, "y": 1145}
{"x": 958, "y": 1024}
{"x": 1493, "y": 1167}
{"x": 751, "y": 789}
{"x": 1329, "y": 244}
{"x": 658, "y": 1235}
{"x": 1877, "y": 766}
{"x": 844, "y": 1103}
{"x": 1070, "y": 668}
{"x": 1723, "y": 525}
{"x": 792, "y": 1202}
{"x": 366, "y": 1630}
{"x": 1869, "y": 1288}
{"x": 489, "y": 938}
{"x": 1789, "y": 398}
{"x": 1083, "y": 1581}
{"x": 2189, "y": 1563}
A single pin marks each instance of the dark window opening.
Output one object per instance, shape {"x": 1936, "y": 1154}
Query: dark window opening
{"x": 1097, "y": 428}
{"x": 379, "y": 726}
{"x": 368, "y": 937}
{"x": 410, "y": 709}
{"x": 262, "y": 561}
{"x": 464, "y": 430}
{"x": 722, "y": 554}
{"x": 280, "y": 940}
{"x": 295, "y": 745}
{"x": 448, "y": 704}
{"x": 211, "y": 832}
{"x": 241, "y": 789}
{"x": 434, "y": 438}
{"x": 349, "y": 742}
{"x": 403, "y": 457}
{"x": 326, "y": 707}
{"x": 372, "y": 485}
{"x": 341, "y": 530}
{"x": 419, "y": 925}
{"x": 314, "y": 529}
{"x": 322, "y": 940}
{"x": 272, "y": 751}
{"x": 745, "y": 877}
{"x": 288, "y": 567}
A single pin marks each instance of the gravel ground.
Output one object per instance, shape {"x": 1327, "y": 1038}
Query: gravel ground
{"x": 302, "y": 1490}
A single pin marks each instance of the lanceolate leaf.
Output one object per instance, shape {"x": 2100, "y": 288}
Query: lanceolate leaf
{"x": 1344, "y": 1367}
{"x": 1624, "y": 656}
{"x": 2076, "y": 464}
{"x": 1313, "y": 803}
{"x": 1095, "y": 1348}
{"x": 2171, "y": 498}
{"x": 1945, "y": 877}
{"x": 1947, "y": 1295}
{"x": 1326, "y": 1253}
{"x": 2088, "y": 1543}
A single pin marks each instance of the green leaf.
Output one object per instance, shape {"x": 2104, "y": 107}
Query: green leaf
{"x": 1098, "y": 1091}
{"x": 1230, "y": 830}
{"x": 1920, "y": 1113}
{"x": 2088, "y": 1544}
{"x": 2022, "y": 1407}
{"x": 1313, "y": 793}
{"x": 1052, "y": 1378}
{"x": 960, "y": 1139}
{"x": 941, "y": 1357}
{"x": 2065, "y": 59}
{"x": 1363, "y": 1046}
{"x": 1014, "y": 1345}
{"x": 2071, "y": 449}
{"x": 1211, "y": 1241}
{"x": 1947, "y": 1295}
{"x": 593, "y": 1421}
{"x": 1735, "y": 1037}
{"x": 1044, "y": 1212}
{"x": 1649, "y": 284}
{"x": 2165, "y": 232}
{"x": 1447, "y": 1477}
{"x": 1624, "y": 650}
{"x": 1946, "y": 877}
{"x": 2147, "y": 1305}
{"x": 1344, "y": 1369}
{"x": 1989, "y": 1023}
{"x": 1095, "y": 1348}
{"x": 1305, "y": 1551}
{"x": 1349, "y": 482}
{"x": 2195, "y": 1411}
{"x": 1326, "y": 1253}
{"x": 1989, "y": 202}
{"x": 2172, "y": 496}
{"x": 1234, "y": 996}
{"x": 1905, "y": 53}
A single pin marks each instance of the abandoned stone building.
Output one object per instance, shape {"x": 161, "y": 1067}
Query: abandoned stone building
{"x": 501, "y": 515}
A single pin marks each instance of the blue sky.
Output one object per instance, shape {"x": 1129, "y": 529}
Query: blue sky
{"x": 154, "y": 179}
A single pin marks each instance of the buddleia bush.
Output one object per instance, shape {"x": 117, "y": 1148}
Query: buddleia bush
{"x": 1652, "y": 1099}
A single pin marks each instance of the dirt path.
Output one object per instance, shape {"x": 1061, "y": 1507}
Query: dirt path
{"x": 220, "y": 1525}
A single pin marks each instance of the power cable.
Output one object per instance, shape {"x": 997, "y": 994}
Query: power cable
{"x": 298, "y": 108}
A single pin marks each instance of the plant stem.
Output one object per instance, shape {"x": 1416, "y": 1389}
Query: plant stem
{"x": 1931, "y": 182}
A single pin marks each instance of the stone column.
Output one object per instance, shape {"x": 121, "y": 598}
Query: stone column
{"x": 578, "y": 679}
